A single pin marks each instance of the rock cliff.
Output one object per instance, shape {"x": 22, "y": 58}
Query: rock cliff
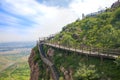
{"x": 34, "y": 67}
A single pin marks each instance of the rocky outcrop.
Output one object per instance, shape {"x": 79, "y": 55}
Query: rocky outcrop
{"x": 50, "y": 52}
{"x": 67, "y": 73}
{"x": 116, "y": 4}
{"x": 34, "y": 67}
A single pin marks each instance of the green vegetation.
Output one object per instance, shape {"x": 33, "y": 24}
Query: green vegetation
{"x": 117, "y": 61}
{"x": 86, "y": 72}
{"x": 101, "y": 31}
{"x": 14, "y": 66}
{"x": 17, "y": 71}
{"x": 43, "y": 75}
{"x": 85, "y": 67}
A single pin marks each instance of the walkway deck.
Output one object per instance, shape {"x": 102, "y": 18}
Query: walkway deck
{"x": 84, "y": 52}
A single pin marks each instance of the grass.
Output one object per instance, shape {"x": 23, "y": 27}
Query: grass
{"x": 17, "y": 71}
{"x": 14, "y": 67}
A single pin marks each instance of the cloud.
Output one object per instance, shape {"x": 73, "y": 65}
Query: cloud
{"x": 29, "y": 19}
{"x": 47, "y": 19}
{"x": 58, "y": 3}
{"x": 89, "y": 6}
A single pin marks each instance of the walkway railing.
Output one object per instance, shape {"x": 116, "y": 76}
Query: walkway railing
{"x": 47, "y": 61}
{"x": 91, "y": 51}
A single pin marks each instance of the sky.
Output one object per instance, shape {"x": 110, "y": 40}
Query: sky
{"x": 27, "y": 20}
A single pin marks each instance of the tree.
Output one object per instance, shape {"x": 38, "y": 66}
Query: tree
{"x": 67, "y": 40}
{"x": 117, "y": 62}
{"x": 86, "y": 72}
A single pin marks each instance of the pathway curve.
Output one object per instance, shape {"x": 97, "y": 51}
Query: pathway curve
{"x": 47, "y": 61}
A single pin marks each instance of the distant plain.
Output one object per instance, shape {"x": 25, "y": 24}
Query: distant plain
{"x": 13, "y": 60}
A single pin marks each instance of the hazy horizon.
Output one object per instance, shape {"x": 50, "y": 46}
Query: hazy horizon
{"x": 16, "y": 41}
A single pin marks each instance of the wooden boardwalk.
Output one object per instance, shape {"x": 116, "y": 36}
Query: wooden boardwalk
{"x": 84, "y": 52}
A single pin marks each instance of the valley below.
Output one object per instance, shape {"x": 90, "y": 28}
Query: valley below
{"x": 14, "y": 60}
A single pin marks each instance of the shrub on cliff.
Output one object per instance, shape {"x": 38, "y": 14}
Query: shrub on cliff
{"x": 86, "y": 72}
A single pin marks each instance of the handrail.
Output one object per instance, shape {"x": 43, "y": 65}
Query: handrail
{"x": 82, "y": 51}
{"x": 47, "y": 61}
{"x": 107, "y": 53}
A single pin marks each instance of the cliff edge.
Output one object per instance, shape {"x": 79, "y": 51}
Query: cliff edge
{"x": 34, "y": 67}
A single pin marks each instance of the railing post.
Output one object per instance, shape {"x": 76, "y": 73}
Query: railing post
{"x": 82, "y": 49}
{"x": 55, "y": 44}
{"x": 59, "y": 45}
{"x": 101, "y": 60}
{"x": 87, "y": 53}
{"x": 108, "y": 52}
{"x": 90, "y": 50}
{"x": 69, "y": 48}
{"x": 98, "y": 51}
{"x": 51, "y": 41}
{"x": 67, "y": 44}
{"x": 75, "y": 47}
{"x": 64, "y": 47}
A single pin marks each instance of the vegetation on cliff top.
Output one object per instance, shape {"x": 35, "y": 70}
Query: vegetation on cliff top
{"x": 100, "y": 31}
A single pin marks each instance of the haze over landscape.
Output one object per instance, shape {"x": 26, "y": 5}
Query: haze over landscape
{"x": 26, "y": 20}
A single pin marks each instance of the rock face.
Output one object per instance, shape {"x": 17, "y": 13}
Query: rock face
{"x": 67, "y": 73}
{"x": 34, "y": 67}
{"x": 50, "y": 52}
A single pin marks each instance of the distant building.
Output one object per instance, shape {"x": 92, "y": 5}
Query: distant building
{"x": 83, "y": 16}
{"x": 116, "y": 4}
{"x": 94, "y": 13}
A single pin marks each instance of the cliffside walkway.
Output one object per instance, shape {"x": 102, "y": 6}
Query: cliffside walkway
{"x": 102, "y": 53}
{"x": 108, "y": 54}
{"x": 84, "y": 52}
{"x": 47, "y": 61}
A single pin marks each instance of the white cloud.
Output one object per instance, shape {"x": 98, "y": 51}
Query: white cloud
{"x": 48, "y": 20}
{"x": 10, "y": 20}
{"x": 89, "y": 6}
